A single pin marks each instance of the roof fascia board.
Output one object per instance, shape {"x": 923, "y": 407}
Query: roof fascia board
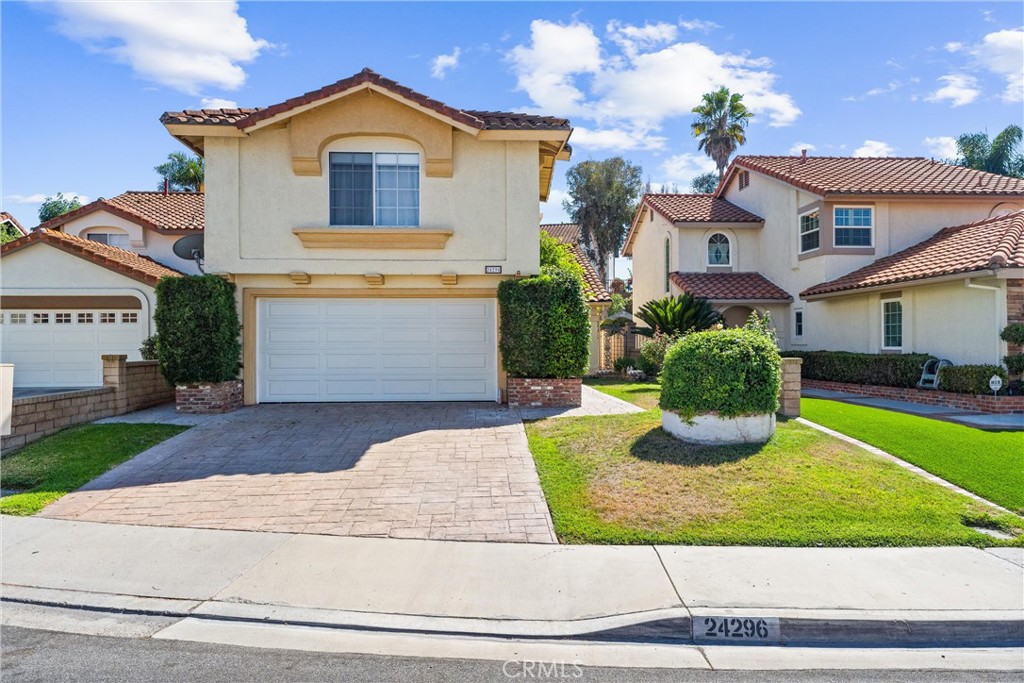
{"x": 543, "y": 135}
{"x": 916, "y": 282}
{"x": 719, "y": 224}
{"x": 952, "y": 197}
{"x": 206, "y": 130}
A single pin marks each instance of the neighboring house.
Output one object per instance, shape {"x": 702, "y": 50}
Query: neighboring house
{"x": 10, "y": 228}
{"x": 367, "y": 227}
{"x": 145, "y": 222}
{"x": 846, "y": 253}
{"x": 66, "y": 301}
{"x": 598, "y": 298}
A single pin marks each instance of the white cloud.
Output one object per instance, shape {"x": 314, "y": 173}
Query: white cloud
{"x": 617, "y": 138}
{"x": 443, "y": 63}
{"x": 552, "y": 210}
{"x": 959, "y": 89}
{"x": 40, "y": 197}
{"x": 954, "y": 46}
{"x": 874, "y": 148}
{"x": 185, "y": 47}
{"x": 218, "y": 103}
{"x": 682, "y": 168}
{"x": 1002, "y": 53}
{"x": 701, "y": 25}
{"x": 891, "y": 86}
{"x": 799, "y": 147}
{"x": 566, "y": 70}
{"x": 943, "y": 146}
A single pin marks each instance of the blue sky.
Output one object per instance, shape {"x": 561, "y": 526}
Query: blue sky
{"x": 84, "y": 84}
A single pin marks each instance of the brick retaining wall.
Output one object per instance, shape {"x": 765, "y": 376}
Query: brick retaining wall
{"x": 127, "y": 386}
{"x": 545, "y": 393}
{"x": 789, "y": 394}
{"x": 976, "y": 402}
{"x": 209, "y": 397}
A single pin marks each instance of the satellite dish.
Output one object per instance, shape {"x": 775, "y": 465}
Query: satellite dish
{"x": 190, "y": 248}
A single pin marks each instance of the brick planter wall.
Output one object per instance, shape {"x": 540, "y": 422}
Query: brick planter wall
{"x": 789, "y": 394}
{"x": 545, "y": 393}
{"x": 127, "y": 386}
{"x": 978, "y": 402}
{"x": 208, "y": 398}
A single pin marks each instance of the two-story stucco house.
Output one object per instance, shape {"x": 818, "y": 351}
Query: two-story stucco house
{"x": 83, "y": 285}
{"x": 367, "y": 227}
{"x": 876, "y": 255}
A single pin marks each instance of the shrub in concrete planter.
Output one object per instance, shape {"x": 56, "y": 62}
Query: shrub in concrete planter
{"x": 721, "y": 387}
{"x": 199, "y": 349}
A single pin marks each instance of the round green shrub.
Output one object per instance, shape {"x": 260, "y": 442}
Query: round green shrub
{"x": 545, "y": 326}
{"x": 732, "y": 372}
{"x": 1013, "y": 334}
{"x": 197, "y": 325}
{"x": 1015, "y": 363}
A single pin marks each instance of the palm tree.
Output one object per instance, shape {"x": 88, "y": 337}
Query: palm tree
{"x": 721, "y": 125}
{"x": 677, "y": 315}
{"x": 182, "y": 172}
{"x": 1000, "y": 155}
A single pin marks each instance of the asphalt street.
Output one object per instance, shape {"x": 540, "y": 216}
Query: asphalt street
{"x": 29, "y": 655}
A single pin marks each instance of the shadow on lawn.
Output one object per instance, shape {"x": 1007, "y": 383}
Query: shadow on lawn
{"x": 658, "y": 445}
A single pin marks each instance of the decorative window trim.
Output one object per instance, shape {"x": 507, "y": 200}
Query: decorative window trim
{"x": 883, "y": 304}
{"x": 836, "y": 228}
{"x": 800, "y": 231}
{"x": 707, "y": 250}
{"x": 374, "y": 189}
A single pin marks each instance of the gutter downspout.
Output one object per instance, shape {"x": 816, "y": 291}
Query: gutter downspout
{"x": 995, "y": 290}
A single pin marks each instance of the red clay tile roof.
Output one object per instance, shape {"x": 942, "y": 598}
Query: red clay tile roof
{"x": 730, "y": 286}
{"x": 481, "y": 120}
{"x": 5, "y": 217}
{"x": 699, "y": 208}
{"x": 569, "y": 233}
{"x": 141, "y": 268}
{"x": 171, "y": 212}
{"x": 876, "y": 176}
{"x": 992, "y": 243}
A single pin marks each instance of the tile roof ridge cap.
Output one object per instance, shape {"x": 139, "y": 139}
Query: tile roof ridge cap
{"x": 1012, "y": 237}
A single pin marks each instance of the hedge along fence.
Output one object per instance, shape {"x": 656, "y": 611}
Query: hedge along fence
{"x": 970, "y": 379}
{"x": 545, "y": 326}
{"x": 198, "y": 329}
{"x": 733, "y": 372}
{"x": 886, "y": 370}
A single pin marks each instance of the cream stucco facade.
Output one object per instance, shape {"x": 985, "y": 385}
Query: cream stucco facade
{"x": 850, "y": 321}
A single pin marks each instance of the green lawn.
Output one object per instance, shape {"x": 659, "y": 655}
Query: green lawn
{"x": 49, "y": 468}
{"x": 621, "y": 479}
{"x": 990, "y": 464}
{"x": 643, "y": 394}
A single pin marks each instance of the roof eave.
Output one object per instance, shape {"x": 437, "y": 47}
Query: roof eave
{"x": 899, "y": 284}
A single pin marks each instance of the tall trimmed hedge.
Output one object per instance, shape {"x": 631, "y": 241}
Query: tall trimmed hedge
{"x": 878, "y": 369}
{"x": 197, "y": 324}
{"x": 545, "y": 326}
{"x": 969, "y": 379}
{"x": 732, "y": 372}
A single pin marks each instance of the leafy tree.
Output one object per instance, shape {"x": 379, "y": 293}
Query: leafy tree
{"x": 1000, "y": 155}
{"x": 8, "y": 233}
{"x": 602, "y": 199}
{"x": 721, "y": 125}
{"x": 57, "y": 205}
{"x": 183, "y": 172}
{"x": 705, "y": 183}
{"x": 681, "y": 314}
{"x": 555, "y": 255}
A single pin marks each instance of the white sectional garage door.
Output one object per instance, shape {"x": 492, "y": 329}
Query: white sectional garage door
{"x": 62, "y": 348}
{"x": 376, "y": 350}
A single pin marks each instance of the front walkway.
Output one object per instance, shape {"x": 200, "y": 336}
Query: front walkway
{"x": 457, "y": 471}
{"x": 964, "y": 417}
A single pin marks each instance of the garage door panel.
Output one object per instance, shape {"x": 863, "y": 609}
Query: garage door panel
{"x": 377, "y": 350}
{"x": 293, "y": 309}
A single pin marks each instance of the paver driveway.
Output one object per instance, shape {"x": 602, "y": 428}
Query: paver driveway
{"x": 421, "y": 470}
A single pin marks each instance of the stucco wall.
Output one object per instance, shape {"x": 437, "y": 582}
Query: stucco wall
{"x": 649, "y": 258}
{"x": 155, "y": 245}
{"x": 254, "y": 199}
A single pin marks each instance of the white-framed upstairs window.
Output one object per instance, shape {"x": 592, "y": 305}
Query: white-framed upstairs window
{"x": 719, "y": 250}
{"x": 854, "y": 226}
{"x": 114, "y": 239}
{"x": 374, "y": 189}
{"x": 892, "y": 324}
{"x": 799, "y": 318}
{"x": 810, "y": 231}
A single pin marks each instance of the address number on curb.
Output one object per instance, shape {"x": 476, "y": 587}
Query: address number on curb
{"x": 737, "y": 629}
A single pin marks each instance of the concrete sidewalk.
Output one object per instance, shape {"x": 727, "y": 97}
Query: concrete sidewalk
{"x": 770, "y": 596}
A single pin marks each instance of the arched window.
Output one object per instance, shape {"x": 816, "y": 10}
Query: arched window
{"x": 668, "y": 254}
{"x": 718, "y": 250}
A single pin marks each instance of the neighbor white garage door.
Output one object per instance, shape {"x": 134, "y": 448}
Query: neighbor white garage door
{"x": 376, "y": 350}
{"x": 62, "y": 348}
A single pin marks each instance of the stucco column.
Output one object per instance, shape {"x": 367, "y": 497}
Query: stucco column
{"x": 789, "y": 398}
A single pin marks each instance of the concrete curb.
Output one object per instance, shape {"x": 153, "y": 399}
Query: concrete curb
{"x": 820, "y": 628}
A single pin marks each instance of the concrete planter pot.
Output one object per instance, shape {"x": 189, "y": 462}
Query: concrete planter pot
{"x": 205, "y": 398}
{"x": 712, "y": 430}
